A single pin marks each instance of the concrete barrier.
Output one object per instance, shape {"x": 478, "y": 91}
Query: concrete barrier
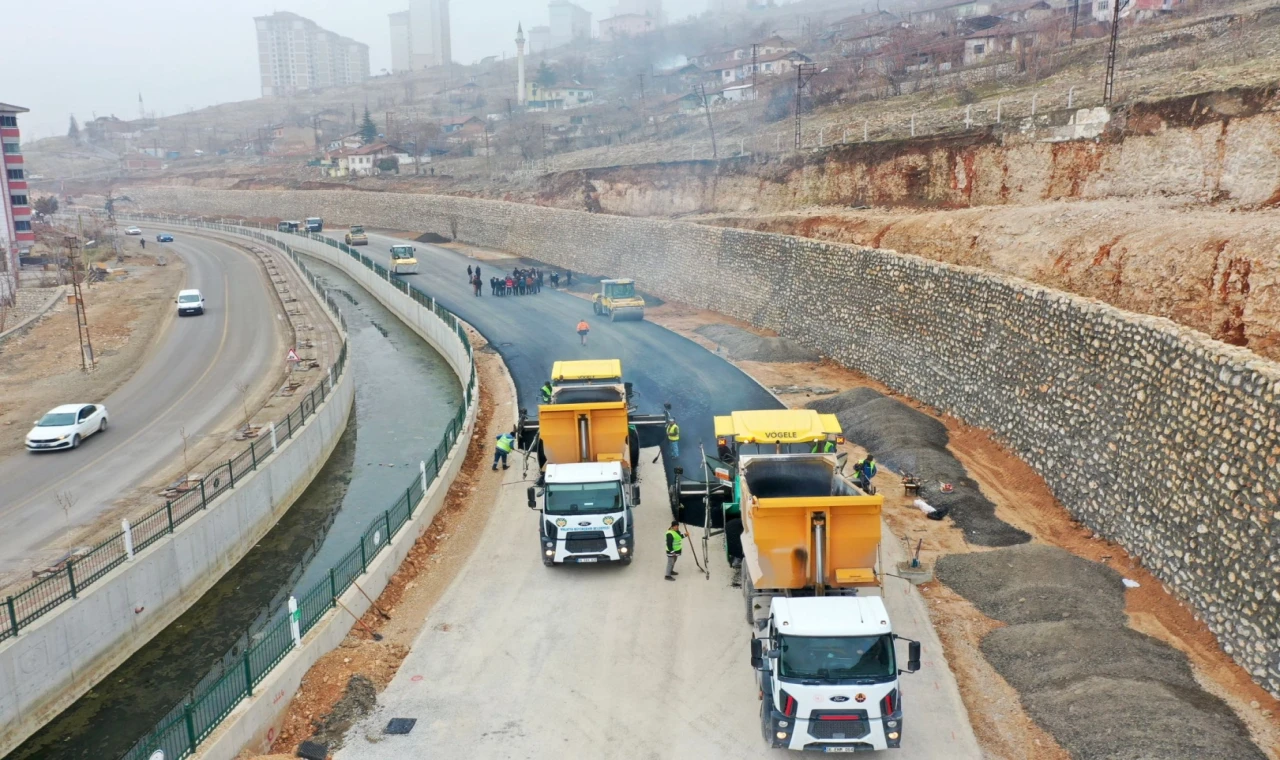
{"x": 256, "y": 721}
{"x": 55, "y": 660}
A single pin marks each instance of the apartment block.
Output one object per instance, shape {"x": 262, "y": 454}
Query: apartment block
{"x": 295, "y": 55}
{"x": 16, "y": 235}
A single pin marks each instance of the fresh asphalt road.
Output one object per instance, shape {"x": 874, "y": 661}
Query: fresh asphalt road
{"x": 520, "y": 660}
{"x": 531, "y": 332}
{"x": 188, "y": 381}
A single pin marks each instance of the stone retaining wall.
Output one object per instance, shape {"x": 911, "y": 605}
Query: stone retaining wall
{"x": 1152, "y": 434}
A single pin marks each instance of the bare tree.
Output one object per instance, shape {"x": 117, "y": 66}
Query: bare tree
{"x": 244, "y": 401}
{"x": 66, "y": 502}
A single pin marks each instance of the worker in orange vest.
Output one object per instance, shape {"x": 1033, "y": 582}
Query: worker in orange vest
{"x": 583, "y": 329}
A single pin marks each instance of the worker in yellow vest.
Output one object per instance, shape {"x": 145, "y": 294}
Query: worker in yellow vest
{"x": 675, "y": 544}
{"x": 673, "y": 437}
{"x": 506, "y": 442}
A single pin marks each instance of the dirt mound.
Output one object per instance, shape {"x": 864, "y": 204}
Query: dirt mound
{"x": 1036, "y": 584}
{"x": 1104, "y": 691}
{"x": 747, "y": 346}
{"x": 431, "y": 237}
{"x": 906, "y": 440}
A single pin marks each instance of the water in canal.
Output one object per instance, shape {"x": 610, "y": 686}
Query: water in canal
{"x": 405, "y": 396}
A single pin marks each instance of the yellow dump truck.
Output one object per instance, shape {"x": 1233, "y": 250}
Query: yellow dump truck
{"x": 807, "y": 542}
{"x": 587, "y": 444}
{"x": 356, "y": 235}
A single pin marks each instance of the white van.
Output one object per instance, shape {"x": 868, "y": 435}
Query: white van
{"x": 189, "y": 302}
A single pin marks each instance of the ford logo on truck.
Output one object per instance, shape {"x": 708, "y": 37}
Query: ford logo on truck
{"x": 839, "y": 699}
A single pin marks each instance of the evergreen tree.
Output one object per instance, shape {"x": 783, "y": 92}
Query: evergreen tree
{"x": 74, "y": 130}
{"x": 368, "y": 130}
{"x": 546, "y": 75}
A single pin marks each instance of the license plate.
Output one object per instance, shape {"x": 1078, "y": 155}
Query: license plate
{"x": 841, "y": 749}
{"x": 587, "y": 559}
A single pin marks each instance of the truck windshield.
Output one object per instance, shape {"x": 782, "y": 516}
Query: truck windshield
{"x": 583, "y": 498}
{"x": 837, "y": 658}
{"x": 357, "y": 229}
{"x": 625, "y": 290}
{"x": 401, "y": 253}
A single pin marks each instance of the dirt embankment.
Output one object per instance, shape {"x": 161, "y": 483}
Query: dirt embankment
{"x": 1211, "y": 269}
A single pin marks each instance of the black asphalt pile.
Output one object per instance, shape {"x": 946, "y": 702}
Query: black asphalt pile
{"x": 357, "y": 701}
{"x": 747, "y": 346}
{"x": 909, "y": 441}
{"x": 431, "y": 237}
{"x": 1103, "y": 690}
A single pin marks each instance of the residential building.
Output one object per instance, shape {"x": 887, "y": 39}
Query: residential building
{"x": 568, "y": 23}
{"x": 738, "y": 93}
{"x": 864, "y": 22}
{"x": 140, "y": 162}
{"x": 401, "y": 43}
{"x": 452, "y": 126}
{"x": 16, "y": 235}
{"x": 429, "y": 41}
{"x": 650, "y": 8}
{"x": 681, "y": 105}
{"x": 949, "y": 11}
{"x": 625, "y": 26}
{"x": 677, "y": 79}
{"x": 296, "y": 55}
{"x": 539, "y": 39}
{"x": 1036, "y": 10}
{"x": 363, "y": 161}
{"x": 1005, "y": 39}
{"x": 560, "y": 96}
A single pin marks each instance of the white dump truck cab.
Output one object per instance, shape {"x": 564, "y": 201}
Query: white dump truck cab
{"x": 586, "y": 513}
{"x": 828, "y": 673}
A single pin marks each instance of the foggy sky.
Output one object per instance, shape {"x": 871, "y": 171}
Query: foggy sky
{"x": 87, "y": 56}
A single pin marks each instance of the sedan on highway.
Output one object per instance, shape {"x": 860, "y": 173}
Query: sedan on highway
{"x": 64, "y": 427}
{"x": 132, "y": 231}
{"x": 164, "y": 237}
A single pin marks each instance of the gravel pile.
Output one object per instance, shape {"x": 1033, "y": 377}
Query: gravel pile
{"x": 1104, "y": 691}
{"x": 747, "y": 346}
{"x": 357, "y": 701}
{"x": 906, "y": 440}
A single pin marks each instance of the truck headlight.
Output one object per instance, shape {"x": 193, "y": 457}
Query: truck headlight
{"x": 891, "y": 723}
{"x": 548, "y": 545}
{"x": 782, "y": 724}
{"x": 781, "y": 734}
{"x": 550, "y": 553}
{"x": 622, "y": 550}
{"x": 893, "y": 735}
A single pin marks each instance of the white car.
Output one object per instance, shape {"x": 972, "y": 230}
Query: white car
{"x": 66, "y": 426}
{"x": 189, "y": 302}
{"x": 133, "y": 231}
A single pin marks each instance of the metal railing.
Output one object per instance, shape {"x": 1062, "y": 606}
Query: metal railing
{"x": 79, "y": 572}
{"x": 193, "y": 719}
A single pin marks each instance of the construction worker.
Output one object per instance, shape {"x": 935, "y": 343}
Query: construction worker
{"x": 583, "y": 329}
{"x": 506, "y": 442}
{"x": 673, "y": 437}
{"x": 823, "y": 447}
{"x": 675, "y": 544}
{"x": 866, "y": 470}
{"x": 546, "y": 392}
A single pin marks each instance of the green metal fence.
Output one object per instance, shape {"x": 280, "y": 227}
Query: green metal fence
{"x": 78, "y": 573}
{"x": 191, "y": 721}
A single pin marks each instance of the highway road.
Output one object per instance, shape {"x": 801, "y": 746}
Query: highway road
{"x": 520, "y": 660}
{"x": 187, "y": 382}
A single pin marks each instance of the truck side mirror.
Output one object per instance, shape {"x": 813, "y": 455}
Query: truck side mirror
{"x": 533, "y": 499}
{"x": 913, "y": 657}
{"x": 757, "y": 653}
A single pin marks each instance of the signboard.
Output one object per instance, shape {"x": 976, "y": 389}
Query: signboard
{"x": 293, "y": 356}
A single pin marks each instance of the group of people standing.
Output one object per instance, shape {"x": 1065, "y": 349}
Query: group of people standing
{"x": 520, "y": 282}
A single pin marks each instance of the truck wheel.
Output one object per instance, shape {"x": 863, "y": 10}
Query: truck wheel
{"x": 595, "y": 306}
{"x": 766, "y": 709}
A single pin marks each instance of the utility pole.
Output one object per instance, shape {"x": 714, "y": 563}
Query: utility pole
{"x": 1075, "y": 19}
{"x": 1108, "y": 88}
{"x": 804, "y": 72}
{"x": 87, "y": 361}
{"x": 702, "y": 88}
